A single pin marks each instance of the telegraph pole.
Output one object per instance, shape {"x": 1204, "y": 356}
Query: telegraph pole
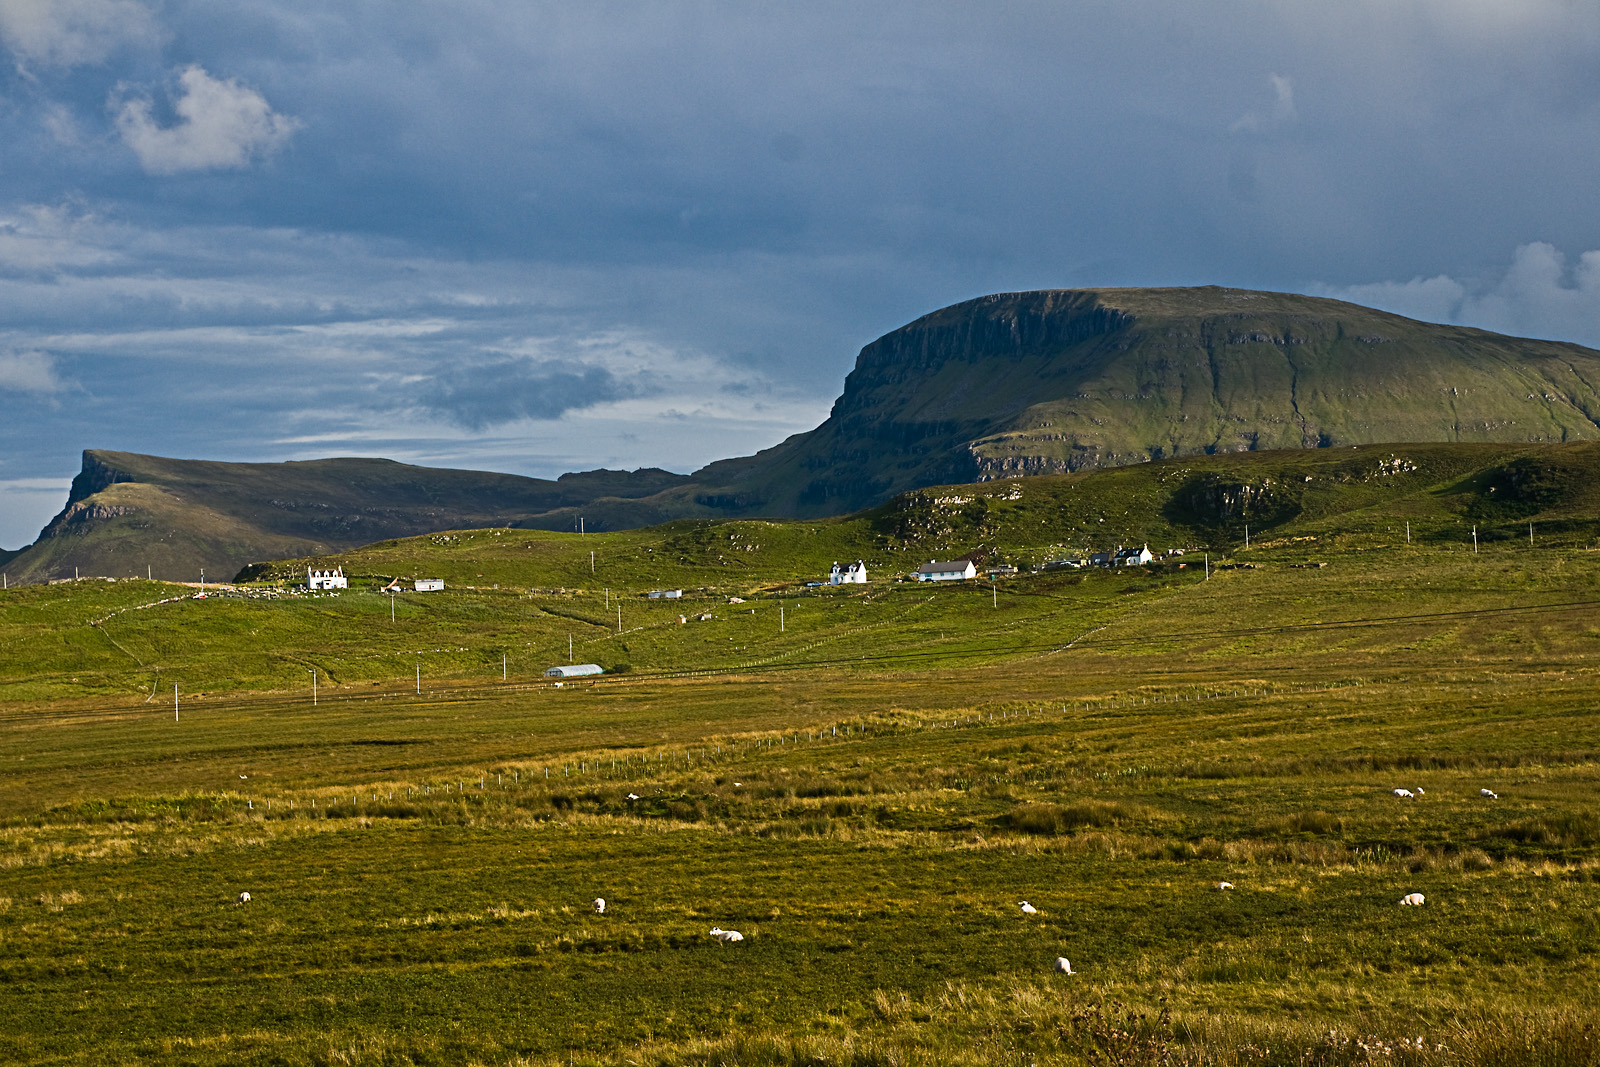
{"x": 313, "y": 687}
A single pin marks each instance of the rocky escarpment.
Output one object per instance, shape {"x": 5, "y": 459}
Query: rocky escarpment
{"x": 1066, "y": 380}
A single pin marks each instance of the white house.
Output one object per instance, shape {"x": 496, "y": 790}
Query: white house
{"x": 575, "y": 670}
{"x": 853, "y": 574}
{"x": 665, "y": 594}
{"x": 936, "y": 571}
{"x": 1133, "y": 557}
{"x": 429, "y": 585}
{"x": 333, "y": 579}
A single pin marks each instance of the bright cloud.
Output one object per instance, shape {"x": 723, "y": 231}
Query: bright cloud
{"x": 221, "y": 125}
{"x": 68, "y": 33}
{"x": 1537, "y": 295}
{"x": 29, "y": 372}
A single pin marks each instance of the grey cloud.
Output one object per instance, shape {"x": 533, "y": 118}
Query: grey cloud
{"x": 68, "y": 33}
{"x": 490, "y": 394}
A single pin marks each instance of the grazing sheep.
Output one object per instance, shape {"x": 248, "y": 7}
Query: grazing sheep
{"x": 633, "y": 796}
{"x": 242, "y": 898}
{"x": 1419, "y": 790}
{"x": 1413, "y": 898}
{"x": 726, "y": 936}
{"x": 1224, "y": 885}
{"x": 599, "y": 905}
{"x": 1403, "y": 794}
{"x": 1027, "y": 909}
{"x": 1064, "y": 966}
{"x": 1490, "y": 793}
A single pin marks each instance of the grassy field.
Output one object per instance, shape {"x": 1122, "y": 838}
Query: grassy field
{"x": 866, "y": 791}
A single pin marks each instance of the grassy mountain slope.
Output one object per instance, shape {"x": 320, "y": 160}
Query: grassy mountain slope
{"x": 128, "y": 512}
{"x": 1315, "y": 498}
{"x": 1067, "y": 380}
{"x": 524, "y": 594}
{"x": 1017, "y": 383}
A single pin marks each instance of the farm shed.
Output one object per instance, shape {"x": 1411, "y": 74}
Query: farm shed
{"x": 429, "y": 585}
{"x": 575, "y": 670}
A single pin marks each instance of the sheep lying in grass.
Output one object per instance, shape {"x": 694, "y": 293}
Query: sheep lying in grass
{"x": 1404, "y": 794}
{"x": 1064, "y": 966}
{"x": 242, "y": 898}
{"x": 1224, "y": 885}
{"x": 599, "y": 905}
{"x": 1489, "y": 794}
{"x": 1416, "y": 899}
{"x": 1027, "y": 909}
{"x": 726, "y": 936}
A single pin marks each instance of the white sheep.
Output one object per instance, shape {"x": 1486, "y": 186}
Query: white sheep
{"x": 1489, "y": 793}
{"x": 1027, "y": 909}
{"x": 599, "y": 905}
{"x": 1064, "y": 966}
{"x": 1419, "y": 790}
{"x": 1414, "y": 898}
{"x": 242, "y": 898}
{"x": 726, "y": 936}
{"x": 633, "y": 796}
{"x": 1403, "y": 794}
{"x": 1224, "y": 885}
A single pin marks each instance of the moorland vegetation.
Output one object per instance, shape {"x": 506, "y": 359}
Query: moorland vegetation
{"x": 864, "y": 781}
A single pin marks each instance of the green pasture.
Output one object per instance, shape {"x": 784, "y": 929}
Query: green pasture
{"x": 864, "y": 781}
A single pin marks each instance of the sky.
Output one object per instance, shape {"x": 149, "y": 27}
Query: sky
{"x": 539, "y": 237}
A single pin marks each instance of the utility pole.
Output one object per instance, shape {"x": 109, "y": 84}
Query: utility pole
{"x": 419, "y": 677}
{"x": 1408, "y": 533}
{"x": 174, "y": 701}
{"x": 1247, "y": 535}
{"x": 619, "y": 618}
{"x": 994, "y": 594}
{"x": 780, "y": 617}
{"x": 1474, "y": 540}
{"x": 591, "y": 561}
{"x": 569, "y": 646}
{"x": 581, "y": 532}
{"x": 313, "y": 687}
{"x": 1208, "y": 566}
{"x": 1530, "y": 534}
{"x": 149, "y": 574}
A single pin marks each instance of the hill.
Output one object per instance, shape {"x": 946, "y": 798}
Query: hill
{"x": 1052, "y": 381}
{"x": 1063, "y": 380}
{"x": 135, "y": 515}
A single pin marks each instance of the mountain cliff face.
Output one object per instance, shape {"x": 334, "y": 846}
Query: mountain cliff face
{"x": 1004, "y": 385}
{"x": 1052, "y": 381}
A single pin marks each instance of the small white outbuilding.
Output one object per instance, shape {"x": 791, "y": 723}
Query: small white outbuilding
{"x": 575, "y": 670}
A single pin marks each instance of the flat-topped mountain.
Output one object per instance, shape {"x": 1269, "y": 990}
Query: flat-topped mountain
{"x": 1063, "y": 380}
{"x": 1017, "y": 383}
